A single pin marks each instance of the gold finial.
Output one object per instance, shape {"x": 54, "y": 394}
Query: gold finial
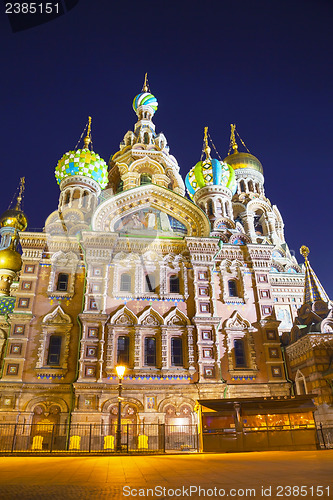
{"x": 304, "y": 251}
{"x": 19, "y": 198}
{"x": 145, "y": 87}
{"x": 233, "y": 138}
{"x": 87, "y": 139}
{"x": 206, "y": 148}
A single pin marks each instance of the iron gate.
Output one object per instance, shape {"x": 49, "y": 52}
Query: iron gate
{"x": 96, "y": 438}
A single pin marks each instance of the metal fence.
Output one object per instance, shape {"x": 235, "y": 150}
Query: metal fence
{"x": 96, "y": 438}
{"x": 325, "y": 436}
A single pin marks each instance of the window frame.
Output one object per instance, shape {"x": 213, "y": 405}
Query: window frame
{"x": 128, "y": 287}
{"x": 146, "y": 354}
{"x": 123, "y": 357}
{"x": 180, "y": 362}
{"x": 60, "y": 283}
{"x": 59, "y": 349}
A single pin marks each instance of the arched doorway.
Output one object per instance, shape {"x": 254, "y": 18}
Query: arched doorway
{"x": 45, "y": 428}
{"x": 180, "y": 433}
{"x": 129, "y": 420}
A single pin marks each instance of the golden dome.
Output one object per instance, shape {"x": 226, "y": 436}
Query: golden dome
{"x": 10, "y": 259}
{"x": 241, "y": 160}
{"x": 14, "y": 218}
{"x": 244, "y": 160}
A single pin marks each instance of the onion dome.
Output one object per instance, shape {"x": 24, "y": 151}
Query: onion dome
{"x": 145, "y": 98}
{"x": 210, "y": 172}
{"x": 15, "y": 217}
{"x": 83, "y": 162}
{"x": 10, "y": 259}
{"x": 241, "y": 160}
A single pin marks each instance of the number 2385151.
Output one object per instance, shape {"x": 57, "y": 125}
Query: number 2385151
{"x": 32, "y": 8}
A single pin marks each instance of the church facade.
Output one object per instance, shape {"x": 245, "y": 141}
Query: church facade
{"x": 191, "y": 294}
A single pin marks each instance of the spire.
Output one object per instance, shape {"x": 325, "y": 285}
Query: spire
{"x": 206, "y": 148}
{"x": 313, "y": 289}
{"x": 19, "y": 197}
{"x": 233, "y": 142}
{"x": 145, "y": 87}
{"x": 87, "y": 139}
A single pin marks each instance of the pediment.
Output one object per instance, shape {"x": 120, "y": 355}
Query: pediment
{"x": 237, "y": 322}
{"x": 176, "y": 318}
{"x": 150, "y": 317}
{"x": 57, "y": 316}
{"x": 124, "y": 317}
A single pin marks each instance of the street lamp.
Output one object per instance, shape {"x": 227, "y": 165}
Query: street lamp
{"x": 120, "y": 372}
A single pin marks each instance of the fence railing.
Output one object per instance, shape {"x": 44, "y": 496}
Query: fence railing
{"x": 325, "y": 436}
{"x": 96, "y": 438}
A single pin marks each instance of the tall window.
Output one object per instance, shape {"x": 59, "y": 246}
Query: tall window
{"x": 174, "y": 283}
{"x": 125, "y": 283}
{"x": 240, "y": 359}
{"x": 150, "y": 283}
{"x": 123, "y": 350}
{"x": 210, "y": 208}
{"x": 62, "y": 283}
{"x": 54, "y": 350}
{"x": 145, "y": 179}
{"x": 232, "y": 285}
{"x": 150, "y": 351}
{"x": 176, "y": 351}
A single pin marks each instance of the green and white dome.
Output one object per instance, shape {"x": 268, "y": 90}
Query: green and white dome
{"x": 210, "y": 172}
{"x": 82, "y": 162}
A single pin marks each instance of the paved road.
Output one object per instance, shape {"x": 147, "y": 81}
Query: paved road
{"x": 242, "y": 475}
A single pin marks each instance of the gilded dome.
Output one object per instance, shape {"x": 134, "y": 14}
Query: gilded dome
{"x": 14, "y": 217}
{"x": 10, "y": 259}
{"x": 244, "y": 160}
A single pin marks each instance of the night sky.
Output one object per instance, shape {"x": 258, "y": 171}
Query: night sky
{"x": 264, "y": 65}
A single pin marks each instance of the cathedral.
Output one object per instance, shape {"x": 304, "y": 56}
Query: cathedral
{"x": 188, "y": 284}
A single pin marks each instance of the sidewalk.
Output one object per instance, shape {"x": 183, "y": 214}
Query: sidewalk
{"x": 242, "y": 475}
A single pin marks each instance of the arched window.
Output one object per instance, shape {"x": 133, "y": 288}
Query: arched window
{"x": 84, "y": 199}
{"x": 239, "y": 348}
{"x": 242, "y": 186}
{"x": 125, "y": 282}
{"x": 68, "y": 197}
{"x": 150, "y": 351}
{"x": 300, "y": 383}
{"x": 176, "y": 351}
{"x": 145, "y": 179}
{"x": 210, "y": 208}
{"x": 146, "y": 138}
{"x": 150, "y": 283}
{"x": 257, "y": 225}
{"x": 62, "y": 282}
{"x": 232, "y": 286}
{"x": 250, "y": 186}
{"x": 53, "y": 357}
{"x": 123, "y": 350}
{"x": 174, "y": 283}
